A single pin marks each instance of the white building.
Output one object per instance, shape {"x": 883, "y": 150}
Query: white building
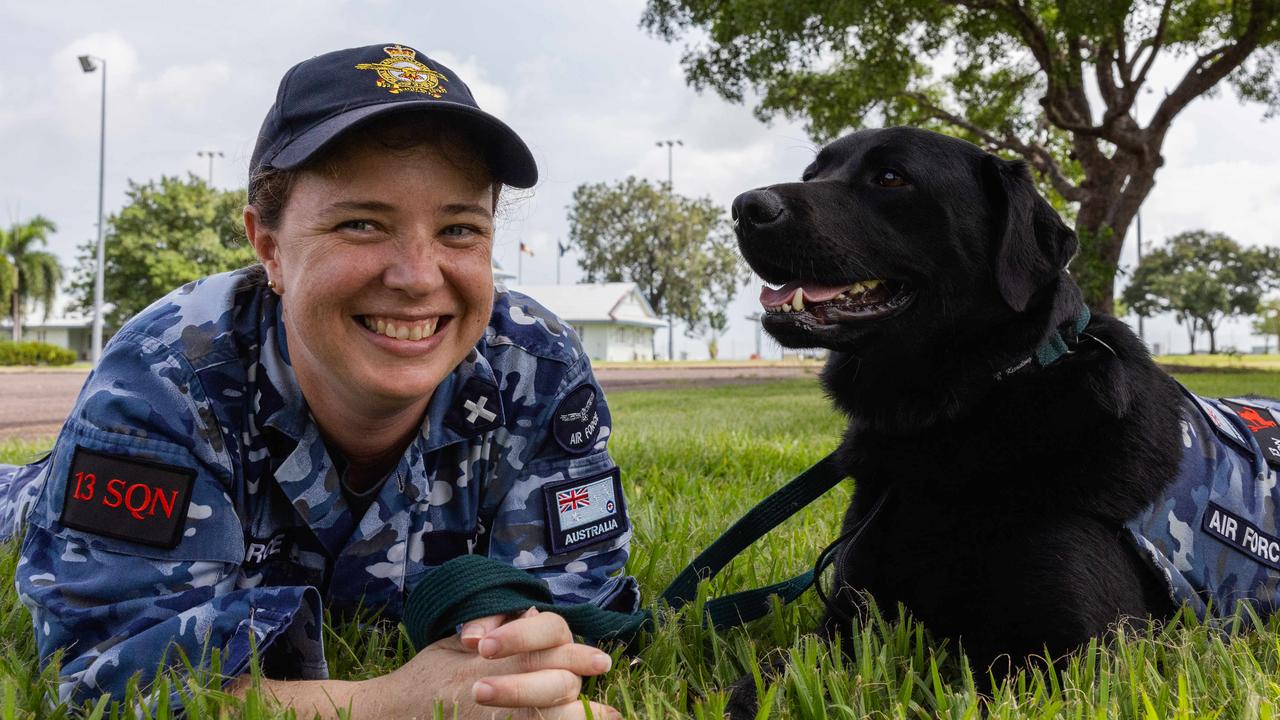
{"x": 614, "y": 320}
{"x": 71, "y": 332}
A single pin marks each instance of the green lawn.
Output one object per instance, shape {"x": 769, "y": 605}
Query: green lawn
{"x": 693, "y": 461}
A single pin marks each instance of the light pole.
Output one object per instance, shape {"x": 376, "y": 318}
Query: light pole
{"x": 211, "y": 154}
{"x": 755, "y": 318}
{"x": 89, "y": 63}
{"x": 671, "y": 322}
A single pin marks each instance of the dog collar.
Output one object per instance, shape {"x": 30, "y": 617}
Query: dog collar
{"x": 1060, "y": 344}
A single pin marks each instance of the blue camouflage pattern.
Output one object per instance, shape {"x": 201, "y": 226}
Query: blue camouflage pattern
{"x": 201, "y": 379}
{"x": 1210, "y": 562}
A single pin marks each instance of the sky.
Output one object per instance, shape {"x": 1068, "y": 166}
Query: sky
{"x": 588, "y": 90}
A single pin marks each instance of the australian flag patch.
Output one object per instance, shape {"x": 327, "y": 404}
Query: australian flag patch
{"x": 582, "y": 512}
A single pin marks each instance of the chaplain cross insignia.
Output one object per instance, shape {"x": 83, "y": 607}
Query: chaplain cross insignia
{"x": 478, "y": 411}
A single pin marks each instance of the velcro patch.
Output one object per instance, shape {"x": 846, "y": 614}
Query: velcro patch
{"x": 1241, "y": 535}
{"x": 1264, "y": 426}
{"x": 1220, "y": 421}
{"x": 583, "y": 512}
{"x": 576, "y": 422}
{"x": 126, "y": 498}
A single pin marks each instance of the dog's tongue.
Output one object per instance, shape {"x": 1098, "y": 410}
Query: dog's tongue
{"x": 812, "y": 293}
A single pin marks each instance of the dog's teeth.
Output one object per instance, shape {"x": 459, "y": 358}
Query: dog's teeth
{"x": 872, "y": 284}
{"x": 855, "y": 288}
{"x": 797, "y": 300}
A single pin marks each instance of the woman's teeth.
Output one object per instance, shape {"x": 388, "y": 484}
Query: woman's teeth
{"x": 401, "y": 329}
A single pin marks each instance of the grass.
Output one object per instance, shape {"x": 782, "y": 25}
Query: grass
{"x": 1223, "y": 360}
{"x": 693, "y": 461}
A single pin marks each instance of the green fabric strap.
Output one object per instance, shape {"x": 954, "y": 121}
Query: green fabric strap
{"x": 473, "y": 586}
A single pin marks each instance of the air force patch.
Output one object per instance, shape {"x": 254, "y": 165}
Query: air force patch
{"x": 583, "y": 512}
{"x": 576, "y": 422}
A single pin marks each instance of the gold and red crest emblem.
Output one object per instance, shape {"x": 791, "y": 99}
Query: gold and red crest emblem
{"x": 401, "y": 72}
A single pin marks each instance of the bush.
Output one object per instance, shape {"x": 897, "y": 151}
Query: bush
{"x": 34, "y": 353}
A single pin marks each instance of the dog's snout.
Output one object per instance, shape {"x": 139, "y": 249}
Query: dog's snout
{"x": 757, "y": 207}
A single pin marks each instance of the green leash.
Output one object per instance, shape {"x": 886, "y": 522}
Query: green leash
{"x": 473, "y": 586}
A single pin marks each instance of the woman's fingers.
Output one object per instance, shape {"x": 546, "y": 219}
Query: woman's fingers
{"x": 576, "y": 711}
{"x": 473, "y": 631}
{"x": 530, "y": 633}
{"x": 576, "y": 658}
{"x": 537, "y": 689}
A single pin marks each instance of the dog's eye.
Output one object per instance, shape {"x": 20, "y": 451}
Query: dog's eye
{"x": 891, "y": 179}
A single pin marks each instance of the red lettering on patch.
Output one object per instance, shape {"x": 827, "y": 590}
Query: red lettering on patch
{"x": 143, "y": 501}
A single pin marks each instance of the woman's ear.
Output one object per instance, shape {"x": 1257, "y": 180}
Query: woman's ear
{"x": 263, "y": 241}
{"x": 1031, "y": 243}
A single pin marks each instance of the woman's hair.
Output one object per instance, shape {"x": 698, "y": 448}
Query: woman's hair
{"x": 270, "y": 188}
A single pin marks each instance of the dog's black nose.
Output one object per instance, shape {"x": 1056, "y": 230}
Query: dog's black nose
{"x": 756, "y": 208}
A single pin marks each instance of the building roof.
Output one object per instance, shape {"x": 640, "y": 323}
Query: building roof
{"x": 620, "y": 302}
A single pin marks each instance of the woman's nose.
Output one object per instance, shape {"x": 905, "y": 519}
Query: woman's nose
{"x": 416, "y": 268}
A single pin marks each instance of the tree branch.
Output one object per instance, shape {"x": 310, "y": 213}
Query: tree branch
{"x": 1035, "y": 154}
{"x": 1211, "y": 67}
{"x": 1153, "y": 46}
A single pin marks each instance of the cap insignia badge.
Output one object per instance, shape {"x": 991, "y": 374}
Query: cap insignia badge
{"x": 402, "y": 72}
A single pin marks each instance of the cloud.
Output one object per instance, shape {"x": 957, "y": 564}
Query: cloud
{"x": 490, "y": 96}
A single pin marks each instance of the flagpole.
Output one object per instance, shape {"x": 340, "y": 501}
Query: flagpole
{"x": 520, "y": 265}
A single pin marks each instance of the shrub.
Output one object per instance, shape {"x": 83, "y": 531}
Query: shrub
{"x": 34, "y": 353}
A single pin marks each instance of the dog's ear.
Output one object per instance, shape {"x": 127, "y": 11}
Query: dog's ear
{"x": 1031, "y": 243}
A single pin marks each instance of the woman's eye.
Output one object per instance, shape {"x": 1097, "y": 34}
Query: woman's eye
{"x": 890, "y": 178}
{"x": 458, "y": 231}
{"x": 358, "y": 225}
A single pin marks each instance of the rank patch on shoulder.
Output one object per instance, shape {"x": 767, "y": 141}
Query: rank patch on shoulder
{"x": 583, "y": 512}
{"x": 1221, "y": 422}
{"x": 1263, "y": 424}
{"x": 576, "y": 422}
{"x": 126, "y": 498}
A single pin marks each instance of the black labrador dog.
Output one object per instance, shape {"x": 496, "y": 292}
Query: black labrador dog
{"x": 1000, "y": 440}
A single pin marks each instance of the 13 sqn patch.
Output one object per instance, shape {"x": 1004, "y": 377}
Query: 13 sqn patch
{"x": 576, "y": 422}
{"x": 1263, "y": 424}
{"x": 583, "y": 512}
{"x": 126, "y": 498}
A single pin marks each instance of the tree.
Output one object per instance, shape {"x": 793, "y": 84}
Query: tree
{"x": 170, "y": 232}
{"x": 680, "y": 251}
{"x": 1268, "y": 321}
{"x": 1202, "y": 278}
{"x": 1025, "y": 79}
{"x": 28, "y": 276}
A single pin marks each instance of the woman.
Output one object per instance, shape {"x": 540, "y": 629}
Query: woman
{"x": 321, "y": 430}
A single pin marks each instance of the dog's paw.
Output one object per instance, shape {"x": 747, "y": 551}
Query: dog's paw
{"x": 744, "y": 702}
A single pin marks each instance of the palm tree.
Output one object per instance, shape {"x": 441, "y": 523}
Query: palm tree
{"x": 36, "y": 273}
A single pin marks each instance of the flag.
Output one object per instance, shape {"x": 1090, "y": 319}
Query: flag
{"x": 563, "y": 248}
{"x": 573, "y": 499}
{"x": 526, "y": 249}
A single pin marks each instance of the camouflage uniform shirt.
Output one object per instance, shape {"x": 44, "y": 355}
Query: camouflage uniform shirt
{"x": 1213, "y": 534}
{"x": 190, "y": 500}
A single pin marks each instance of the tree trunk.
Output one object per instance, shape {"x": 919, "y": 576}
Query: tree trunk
{"x": 15, "y": 306}
{"x": 1113, "y": 194}
{"x": 1191, "y": 332}
{"x": 1213, "y": 340}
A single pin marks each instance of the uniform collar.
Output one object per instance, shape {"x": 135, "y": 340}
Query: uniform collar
{"x": 466, "y": 404}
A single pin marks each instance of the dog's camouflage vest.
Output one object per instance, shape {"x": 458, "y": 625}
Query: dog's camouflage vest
{"x": 1214, "y": 533}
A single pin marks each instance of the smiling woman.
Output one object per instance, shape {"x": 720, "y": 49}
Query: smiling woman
{"x": 318, "y": 432}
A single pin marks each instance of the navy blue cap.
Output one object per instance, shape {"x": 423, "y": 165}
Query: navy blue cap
{"x": 321, "y": 98}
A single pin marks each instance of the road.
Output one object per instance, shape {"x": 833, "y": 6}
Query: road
{"x": 33, "y": 404}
